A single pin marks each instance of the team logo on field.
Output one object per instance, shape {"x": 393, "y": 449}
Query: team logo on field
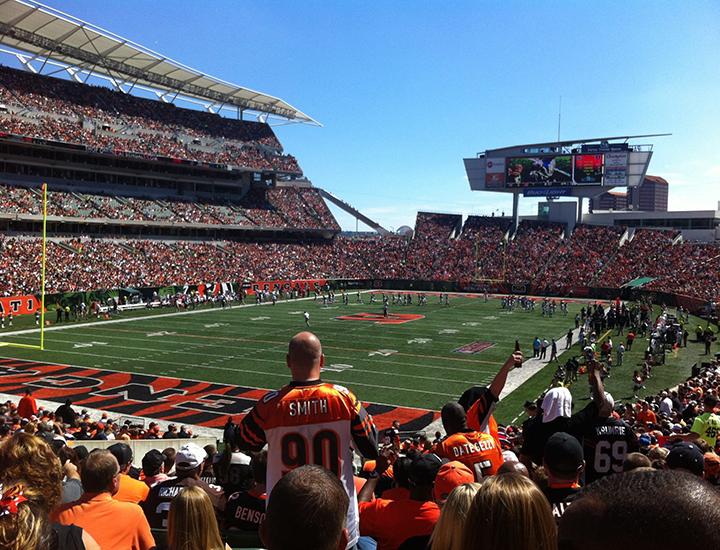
{"x": 166, "y": 398}
{"x": 391, "y": 319}
{"x": 474, "y": 347}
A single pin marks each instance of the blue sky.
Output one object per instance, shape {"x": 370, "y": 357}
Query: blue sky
{"x": 405, "y": 90}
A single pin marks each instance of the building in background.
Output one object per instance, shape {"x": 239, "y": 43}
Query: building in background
{"x": 650, "y": 196}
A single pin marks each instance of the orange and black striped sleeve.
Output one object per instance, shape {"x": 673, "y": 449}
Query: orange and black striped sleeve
{"x": 364, "y": 432}
{"x": 250, "y": 433}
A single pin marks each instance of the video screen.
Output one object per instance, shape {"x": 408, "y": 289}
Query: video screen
{"x": 588, "y": 169}
{"x": 539, "y": 171}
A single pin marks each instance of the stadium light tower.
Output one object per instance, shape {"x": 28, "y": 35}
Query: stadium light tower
{"x": 582, "y": 168}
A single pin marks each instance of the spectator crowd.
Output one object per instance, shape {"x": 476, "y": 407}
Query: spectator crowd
{"x": 111, "y": 122}
{"x": 536, "y": 255}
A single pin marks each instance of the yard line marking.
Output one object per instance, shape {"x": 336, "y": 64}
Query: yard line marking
{"x": 282, "y": 346}
{"x": 282, "y": 375}
{"x": 221, "y": 358}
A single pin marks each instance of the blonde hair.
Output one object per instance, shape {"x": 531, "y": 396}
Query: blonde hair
{"x": 28, "y": 528}
{"x": 509, "y": 512}
{"x": 192, "y": 524}
{"x": 448, "y": 531}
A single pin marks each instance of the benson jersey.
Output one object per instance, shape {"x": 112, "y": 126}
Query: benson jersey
{"x": 477, "y": 450}
{"x": 311, "y": 423}
{"x": 606, "y": 442}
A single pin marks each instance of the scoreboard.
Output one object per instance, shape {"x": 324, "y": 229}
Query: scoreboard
{"x": 580, "y": 168}
{"x": 556, "y": 170}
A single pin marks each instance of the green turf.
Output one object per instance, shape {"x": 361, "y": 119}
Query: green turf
{"x": 246, "y": 346}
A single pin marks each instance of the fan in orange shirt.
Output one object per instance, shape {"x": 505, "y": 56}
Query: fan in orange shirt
{"x": 130, "y": 489}
{"x": 645, "y": 415}
{"x": 477, "y": 450}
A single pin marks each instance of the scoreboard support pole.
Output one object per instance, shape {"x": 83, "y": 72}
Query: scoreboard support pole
{"x": 580, "y": 208}
{"x": 516, "y": 202}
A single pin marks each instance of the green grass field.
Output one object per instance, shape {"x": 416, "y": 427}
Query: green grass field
{"x": 411, "y": 364}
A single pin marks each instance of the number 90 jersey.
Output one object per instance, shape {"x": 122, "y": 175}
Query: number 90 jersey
{"x": 311, "y": 423}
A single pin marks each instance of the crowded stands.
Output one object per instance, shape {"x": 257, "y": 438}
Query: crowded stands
{"x": 536, "y": 255}
{"x": 114, "y": 123}
{"x": 280, "y": 207}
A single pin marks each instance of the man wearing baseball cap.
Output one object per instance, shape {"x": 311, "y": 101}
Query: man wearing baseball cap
{"x": 449, "y": 476}
{"x": 189, "y": 461}
{"x": 392, "y": 522}
{"x": 686, "y": 456}
{"x": 563, "y": 462}
{"x": 130, "y": 490}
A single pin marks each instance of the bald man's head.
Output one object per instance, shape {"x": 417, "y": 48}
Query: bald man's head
{"x": 305, "y": 356}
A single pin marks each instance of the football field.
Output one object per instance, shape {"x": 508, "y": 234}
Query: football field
{"x": 420, "y": 357}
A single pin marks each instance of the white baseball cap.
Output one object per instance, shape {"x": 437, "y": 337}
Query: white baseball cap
{"x": 190, "y": 456}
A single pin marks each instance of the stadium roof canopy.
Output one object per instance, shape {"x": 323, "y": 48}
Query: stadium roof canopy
{"x": 52, "y": 37}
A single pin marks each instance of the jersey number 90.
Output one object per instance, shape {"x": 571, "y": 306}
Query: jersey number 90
{"x": 323, "y": 450}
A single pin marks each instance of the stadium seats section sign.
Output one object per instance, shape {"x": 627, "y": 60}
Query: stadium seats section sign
{"x": 554, "y": 170}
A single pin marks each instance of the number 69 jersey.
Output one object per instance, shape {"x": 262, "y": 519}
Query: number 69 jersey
{"x": 311, "y": 423}
{"x": 606, "y": 442}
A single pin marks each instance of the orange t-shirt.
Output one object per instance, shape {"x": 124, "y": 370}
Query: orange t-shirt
{"x": 477, "y": 450}
{"x": 646, "y": 416}
{"x": 131, "y": 490}
{"x": 111, "y": 523}
{"x": 392, "y": 522}
{"x": 396, "y": 493}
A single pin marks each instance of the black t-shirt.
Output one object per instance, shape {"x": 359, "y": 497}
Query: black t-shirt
{"x": 67, "y": 537}
{"x": 157, "y": 504}
{"x": 560, "y": 498}
{"x": 538, "y": 432}
{"x": 606, "y": 442}
{"x": 245, "y": 511}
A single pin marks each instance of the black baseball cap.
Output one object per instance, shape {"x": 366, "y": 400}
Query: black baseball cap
{"x": 424, "y": 469}
{"x": 152, "y": 461}
{"x": 563, "y": 453}
{"x": 686, "y": 456}
{"x": 122, "y": 453}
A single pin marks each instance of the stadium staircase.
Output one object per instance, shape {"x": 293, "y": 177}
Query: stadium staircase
{"x": 353, "y": 211}
{"x": 66, "y": 246}
{"x": 626, "y": 237}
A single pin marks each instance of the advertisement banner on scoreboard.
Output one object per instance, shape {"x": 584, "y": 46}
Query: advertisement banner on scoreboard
{"x": 538, "y": 171}
{"x": 547, "y": 192}
{"x": 616, "y": 168}
{"x": 495, "y": 173}
{"x": 19, "y": 305}
{"x": 285, "y": 285}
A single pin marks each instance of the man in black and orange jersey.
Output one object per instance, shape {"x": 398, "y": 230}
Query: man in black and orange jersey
{"x": 479, "y": 401}
{"x": 310, "y": 422}
{"x": 477, "y": 450}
